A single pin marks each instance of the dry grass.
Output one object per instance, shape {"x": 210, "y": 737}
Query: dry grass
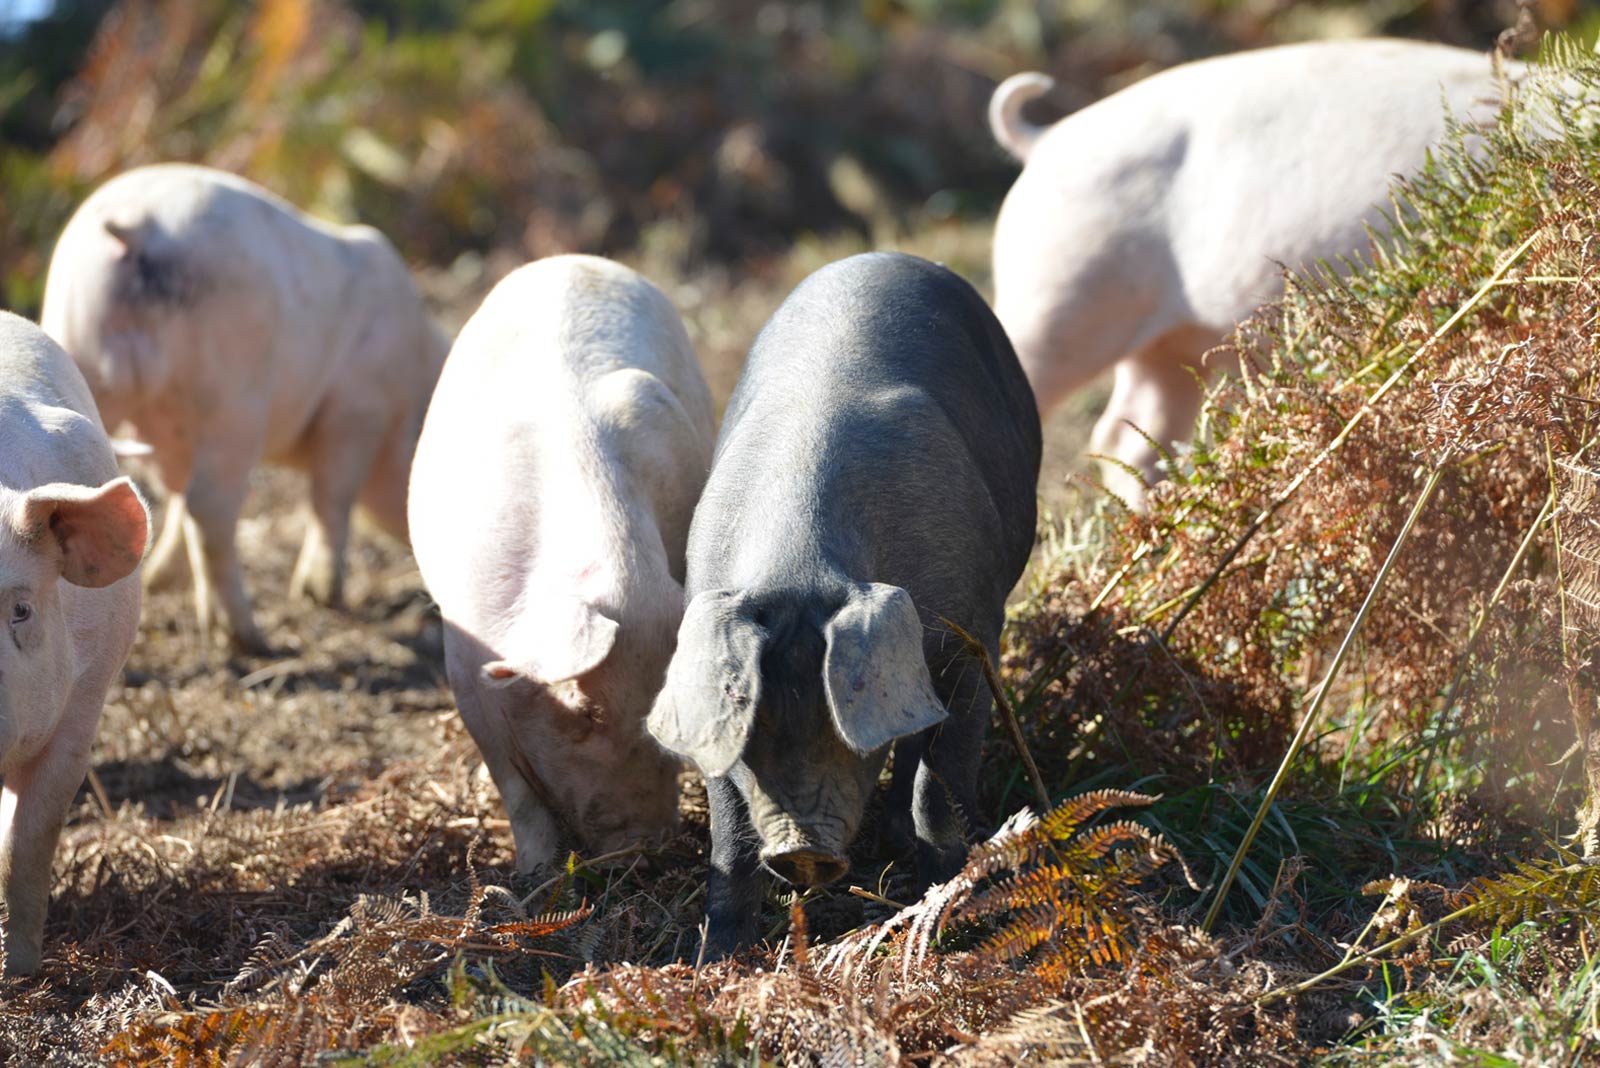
{"x": 301, "y": 862}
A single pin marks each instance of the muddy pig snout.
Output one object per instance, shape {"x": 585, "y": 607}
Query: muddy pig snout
{"x": 804, "y": 866}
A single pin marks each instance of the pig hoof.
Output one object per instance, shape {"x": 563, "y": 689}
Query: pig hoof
{"x": 937, "y": 865}
{"x": 253, "y": 644}
{"x": 22, "y": 960}
{"x": 721, "y": 943}
{"x": 323, "y": 591}
{"x": 896, "y": 835}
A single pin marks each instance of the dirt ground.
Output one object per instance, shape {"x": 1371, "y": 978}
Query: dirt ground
{"x": 231, "y": 797}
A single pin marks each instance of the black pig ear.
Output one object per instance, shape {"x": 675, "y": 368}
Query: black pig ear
{"x": 708, "y": 702}
{"x": 877, "y": 679}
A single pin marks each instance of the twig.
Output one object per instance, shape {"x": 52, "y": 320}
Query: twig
{"x": 879, "y": 898}
{"x": 100, "y": 795}
{"x": 1310, "y": 717}
{"x": 273, "y": 671}
{"x": 975, "y": 647}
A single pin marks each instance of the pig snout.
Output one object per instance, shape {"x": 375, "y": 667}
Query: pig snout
{"x": 804, "y": 865}
{"x": 803, "y": 850}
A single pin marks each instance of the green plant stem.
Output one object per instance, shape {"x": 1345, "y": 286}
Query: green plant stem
{"x": 976, "y": 648}
{"x": 1355, "y": 962}
{"x": 1483, "y": 903}
{"x": 1310, "y": 717}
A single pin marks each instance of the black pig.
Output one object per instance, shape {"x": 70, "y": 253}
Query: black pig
{"x": 875, "y": 472}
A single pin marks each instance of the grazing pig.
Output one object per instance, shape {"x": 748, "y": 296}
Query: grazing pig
{"x": 875, "y": 476}
{"x": 1145, "y": 226}
{"x": 550, "y": 502}
{"x": 72, "y": 535}
{"x": 229, "y": 328}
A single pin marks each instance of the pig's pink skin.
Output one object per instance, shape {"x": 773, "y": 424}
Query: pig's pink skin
{"x": 559, "y": 464}
{"x": 1145, "y": 226}
{"x": 72, "y": 535}
{"x": 228, "y": 329}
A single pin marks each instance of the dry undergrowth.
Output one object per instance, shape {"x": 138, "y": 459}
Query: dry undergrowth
{"x": 373, "y": 913}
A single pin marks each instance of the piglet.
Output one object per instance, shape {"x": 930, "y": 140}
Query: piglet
{"x": 228, "y": 328}
{"x": 1145, "y": 226}
{"x": 874, "y": 478}
{"x": 550, "y": 500}
{"x": 72, "y": 535}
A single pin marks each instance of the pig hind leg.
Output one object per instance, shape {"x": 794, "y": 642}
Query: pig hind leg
{"x": 213, "y": 502}
{"x": 1070, "y": 318}
{"x": 164, "y": 568}
{"x": 338, "y": 472}
{"x": 1156, "y": 397}
{"x": 897, "y": 834}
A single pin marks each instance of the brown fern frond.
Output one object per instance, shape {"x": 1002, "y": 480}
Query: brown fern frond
{"x": 1072, "y": 912}
{"x": 1052, "y": 1033}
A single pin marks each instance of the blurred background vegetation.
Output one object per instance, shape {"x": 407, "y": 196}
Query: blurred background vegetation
{"x": 703, "y": 135}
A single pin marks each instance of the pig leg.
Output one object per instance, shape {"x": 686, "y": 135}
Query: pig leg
{"x": 195, "y": 547}
{"x": 33, "y": 808}
{"x": 1070, "y": 317}
{"x": 534, "y": 833}
{"x": 344, "y": 453}
{"x": 161, "y": 569}
{"x": 314, "y": 560}
{"x": 319, "y": 573}
{"x": 945, "y": 794}
{"x": 898, "y": 831}
{"x": 733, "y": 890}
{"x": 215, "y": 498}
{"x": 1156, "y": 391}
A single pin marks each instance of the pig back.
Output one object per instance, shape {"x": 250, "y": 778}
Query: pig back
{"x": 884, "y": 426}
{"x": 50, "y": 430}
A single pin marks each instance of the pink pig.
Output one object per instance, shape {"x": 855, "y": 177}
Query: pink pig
{"x": 229, "y": 329}
{"x": 1146, "y": 225}
{"x": 561, "y": 459}
{"x": 72, "y": 535}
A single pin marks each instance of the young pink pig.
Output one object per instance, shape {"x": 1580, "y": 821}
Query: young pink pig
{"x": 1145, "y": 226}
{"x": 560, "y": 461}
{"x": 72, "y": 535}
{"x": 229, "y": 328}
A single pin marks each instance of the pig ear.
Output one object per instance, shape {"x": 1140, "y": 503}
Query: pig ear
{"x": 99, "y": 532}
{"x": 125, "y": 234}
{"x": 708, "y": 703}
{"x": 554, "y": 639}
{"x": 876, "y": 677}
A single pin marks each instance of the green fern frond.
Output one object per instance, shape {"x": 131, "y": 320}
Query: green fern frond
{"x": 1563, "y": 885}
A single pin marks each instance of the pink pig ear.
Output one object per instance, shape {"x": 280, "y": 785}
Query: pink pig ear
{"x": 99, "y": 532}
{"x": 554, "y": 639}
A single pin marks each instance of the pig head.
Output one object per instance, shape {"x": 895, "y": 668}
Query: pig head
{"x": 63, "y": 636}
{"x": 547, "y": 710}
{"x": 794, "y": 697}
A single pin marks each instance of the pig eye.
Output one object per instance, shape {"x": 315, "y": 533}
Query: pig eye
{"x": 21, "y": 612}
